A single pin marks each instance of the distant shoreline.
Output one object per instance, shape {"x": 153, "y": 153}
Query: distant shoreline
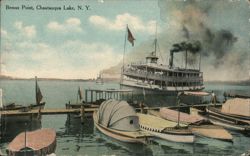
{"x": 3, "y": 77}
{"x": 239, "y": 82}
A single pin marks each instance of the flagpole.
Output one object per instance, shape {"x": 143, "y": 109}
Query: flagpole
{"x": 36, "y": 89}
{"x": 124, "y": 50}
{"x": 77, "y": 97}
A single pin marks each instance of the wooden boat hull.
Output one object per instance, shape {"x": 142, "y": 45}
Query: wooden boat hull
{"x": 116, "y": 135}
{"x": 25, "y": 108}
{"x": 45, "y": 145}
{"x": 218, "y": 118}
{"x": 239, "y": 117}
{"x": 212, "y": 131}
{"x": 165, "y": 129}
{"x": 198, "y": 125}
{"x": 171, "y": 135}
{"x": 25, "y": 118}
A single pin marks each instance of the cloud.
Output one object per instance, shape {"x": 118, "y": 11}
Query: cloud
{"x": 120, "y": 22}
{"x": 3, "y": 32}
{"x": 69, "y": 25}
{"x": 72, "y": 59}
{"x": 27, "y": 31}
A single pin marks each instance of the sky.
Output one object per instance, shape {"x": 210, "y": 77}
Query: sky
{"x": 80, "y": 43}
{"x": 66, "y": 43}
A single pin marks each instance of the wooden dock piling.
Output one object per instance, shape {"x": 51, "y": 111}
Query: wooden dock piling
{"x": 82, "y": 114}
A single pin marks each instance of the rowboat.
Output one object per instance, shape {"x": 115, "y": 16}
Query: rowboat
{"x": 38, "y": 142}
{"x": 39, "y": 105}
{"x": 118, "y": 120}
{"x": 234, "y": 114}
{"x": 197, "y": 124}
{"x": 227, "y": 120}
{"x": 164, "y": 129}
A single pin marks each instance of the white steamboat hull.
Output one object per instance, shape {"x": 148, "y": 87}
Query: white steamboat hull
{"x": 151, "y": 89}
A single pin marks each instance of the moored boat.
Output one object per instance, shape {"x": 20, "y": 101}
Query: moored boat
{"x": 237, "y": 107}
{"x": 38, "y": 142}
{"x": 197, "y": 124}
{"x": 99, "y": 79}
{"x": 234, "y": 114}
{"x": 165, "y": 129}
{"x": 229, "y": 121}
{"x": 39, "y": 105}
{"x": 118, "y": 120}
{"x": 153, "y": 76}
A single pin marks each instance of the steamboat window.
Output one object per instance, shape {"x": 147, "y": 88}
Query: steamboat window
{"x": 131, "y": 122}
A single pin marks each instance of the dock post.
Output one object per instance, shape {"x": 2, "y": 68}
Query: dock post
{"x": 132, "y": 97}
{"x": 142, "y": 107}
{"x": 86, "y": 96}
{"x": 91, "y": 100}
{"x": 39, "y": 114}
{"x": 82, "y": 114}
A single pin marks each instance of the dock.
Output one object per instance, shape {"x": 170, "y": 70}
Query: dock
{"x": 54, "y": 111}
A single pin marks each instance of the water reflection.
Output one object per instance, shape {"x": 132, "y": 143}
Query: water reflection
{"x": 11, "y": 127}
{"x": 73, "y": 126}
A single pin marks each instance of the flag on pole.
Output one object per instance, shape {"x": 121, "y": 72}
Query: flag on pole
{"x": 39, "y": 95}
{"x": 130, "y": 37}
{"x": 80, "y": 93}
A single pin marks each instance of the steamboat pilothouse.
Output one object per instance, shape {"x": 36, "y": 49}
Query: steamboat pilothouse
{"x": 152, "y": 76}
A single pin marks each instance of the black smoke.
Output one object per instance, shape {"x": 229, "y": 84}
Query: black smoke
{"x": 192, "y": 47}
{"x": 213, "y": 42}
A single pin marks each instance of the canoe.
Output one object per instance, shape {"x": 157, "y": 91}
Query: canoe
{"x": 228, "y": 121}
{"x": 38, "y": 142}
{"x": 197, "y": 124}
{"x": 165, "y": 129}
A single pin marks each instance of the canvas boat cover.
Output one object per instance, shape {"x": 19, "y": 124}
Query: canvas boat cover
{"x": 41, "y": 141}
{"x": 237, "y": 106}
{"x": 118, "y": 115}
{"x": 184, "y": 117}
{"x": 155, "y": 122}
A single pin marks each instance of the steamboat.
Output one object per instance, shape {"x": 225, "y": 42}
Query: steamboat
{"x": 154, "y": 77}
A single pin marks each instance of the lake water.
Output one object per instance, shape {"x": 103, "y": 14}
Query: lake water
{"x": 75, "y": 139}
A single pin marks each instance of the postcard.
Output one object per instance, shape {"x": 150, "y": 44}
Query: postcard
{"x": 100, "y": 77}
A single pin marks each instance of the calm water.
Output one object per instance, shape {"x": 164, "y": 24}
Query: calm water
{"x": 73, "y": 138}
